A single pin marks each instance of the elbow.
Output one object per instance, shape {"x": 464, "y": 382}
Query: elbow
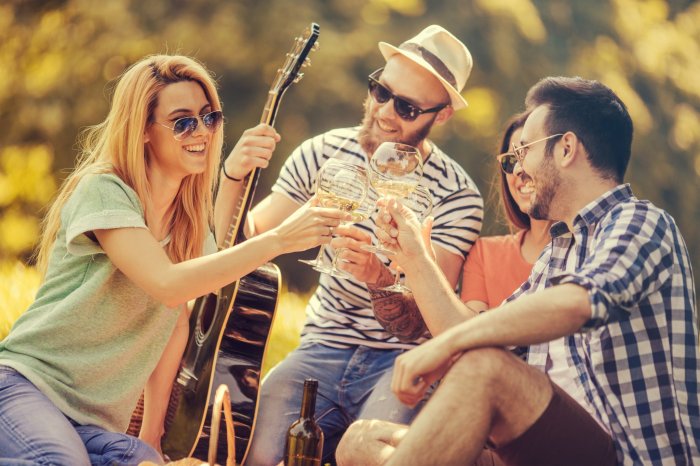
{"x": 167, "y": 292}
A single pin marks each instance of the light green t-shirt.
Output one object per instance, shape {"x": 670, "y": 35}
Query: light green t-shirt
{"x": 92, "y": 337}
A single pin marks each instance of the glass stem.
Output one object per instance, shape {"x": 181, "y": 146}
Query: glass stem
{"x": 397, "y": 276}
{"x": 319, "y": 256}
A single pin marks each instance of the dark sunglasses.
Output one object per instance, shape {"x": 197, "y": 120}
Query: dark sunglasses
{"x": 185, "y": 126}
{"x": 404, "y": 109}
{"x": 507, "y": 162}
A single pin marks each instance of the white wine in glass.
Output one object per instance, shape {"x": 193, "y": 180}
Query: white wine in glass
{"x": 341, "y": 185}
{"x": 395, "y": 169}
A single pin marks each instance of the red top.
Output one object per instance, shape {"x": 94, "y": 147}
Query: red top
{"x": 494, "y": 269}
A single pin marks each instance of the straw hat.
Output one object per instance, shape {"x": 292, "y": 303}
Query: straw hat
{"x": 442, "y": 54}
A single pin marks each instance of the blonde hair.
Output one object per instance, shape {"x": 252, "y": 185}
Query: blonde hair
{"x": 117, "y": 145}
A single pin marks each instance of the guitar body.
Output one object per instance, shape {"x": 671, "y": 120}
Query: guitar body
{"x": 227, "y": 346}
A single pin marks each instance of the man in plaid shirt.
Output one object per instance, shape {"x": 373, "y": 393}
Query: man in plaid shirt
{"x": 608, "y": 315}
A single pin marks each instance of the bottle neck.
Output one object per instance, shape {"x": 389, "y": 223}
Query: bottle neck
{"x": 308, "y": 401}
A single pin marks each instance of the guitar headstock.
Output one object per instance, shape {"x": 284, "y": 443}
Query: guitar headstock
{"x": 297, "y": 57}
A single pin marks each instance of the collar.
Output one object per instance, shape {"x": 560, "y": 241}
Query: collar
{"x": 595, "y": 210}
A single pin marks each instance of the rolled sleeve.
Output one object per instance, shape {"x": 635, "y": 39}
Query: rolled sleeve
{"x": 100, "y": 202}
{"x": 629, "y": 259}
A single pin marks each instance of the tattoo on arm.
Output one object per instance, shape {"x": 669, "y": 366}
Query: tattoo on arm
{"x": 398, "y": 313}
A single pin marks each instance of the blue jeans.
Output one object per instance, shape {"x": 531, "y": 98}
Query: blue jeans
{"x": 353, "y": 384}
{"x": 34, "y": 431}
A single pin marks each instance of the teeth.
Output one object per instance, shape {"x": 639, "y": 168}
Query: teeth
{"x": 528, "y": 188}
{"x": 195, "y": 148}
{"x": 388, "y": 130}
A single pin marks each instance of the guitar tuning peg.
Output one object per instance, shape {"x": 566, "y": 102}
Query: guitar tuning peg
{"x": 298, "y": 78}
{"x": 317, "y": 45}
{"x": 307, "y": 62}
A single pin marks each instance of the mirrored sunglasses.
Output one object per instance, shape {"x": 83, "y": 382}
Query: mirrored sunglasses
{"x": 185, "y": 126}
{"x": 507, "y": 162}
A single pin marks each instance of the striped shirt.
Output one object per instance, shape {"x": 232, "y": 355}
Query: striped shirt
{"x": 340, "y": 312}
{"x": 637, "y": 357}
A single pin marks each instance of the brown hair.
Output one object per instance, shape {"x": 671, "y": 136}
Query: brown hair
{"x": 594, "y": 113}
{"x": 512, "y": 212}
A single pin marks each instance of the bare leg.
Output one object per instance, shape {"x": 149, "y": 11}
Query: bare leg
{"x": 487, "y": 394}
{"x": 369, "y": 443}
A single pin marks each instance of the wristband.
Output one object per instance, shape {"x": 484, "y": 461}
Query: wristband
{"x": 223, "y": 169}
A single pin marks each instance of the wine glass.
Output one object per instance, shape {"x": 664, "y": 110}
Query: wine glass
{"x": 362, "y": 213}
{"x": 420, "y": 201}
{"x": 395, "y": 169}
{"x": 341, "y": 185}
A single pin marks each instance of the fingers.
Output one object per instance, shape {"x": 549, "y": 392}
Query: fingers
{"x": 253, "y": 150}
{"x": 354, "y": 233}
{"x": 386, "y": 237}
{"x": 408, "y": 387}
{"x": 263, "y": 130}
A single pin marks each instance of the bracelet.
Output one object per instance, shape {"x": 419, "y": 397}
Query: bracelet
{"x": 223, "y": 169}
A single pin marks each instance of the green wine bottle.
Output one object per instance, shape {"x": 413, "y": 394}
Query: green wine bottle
{"x": 304, "y": 445}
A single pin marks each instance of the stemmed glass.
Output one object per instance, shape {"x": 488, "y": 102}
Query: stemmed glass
{"x": 420, "y": 201}
{"x": 395, "y": 170}
{"x": 341, "y": 185}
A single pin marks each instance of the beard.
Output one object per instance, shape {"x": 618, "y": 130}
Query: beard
{"x": 369, "y": 142}
{"x": 540, "y": 209}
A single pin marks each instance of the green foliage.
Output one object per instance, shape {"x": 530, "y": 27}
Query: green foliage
{"x": 59, "y": 59}
{"x": 17, "y": 296}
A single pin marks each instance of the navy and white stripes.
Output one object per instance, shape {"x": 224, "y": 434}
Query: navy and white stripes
{"x": 340, "y": 312}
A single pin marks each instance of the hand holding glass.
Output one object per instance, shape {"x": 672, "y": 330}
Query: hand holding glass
{"x": 420, "y": 201}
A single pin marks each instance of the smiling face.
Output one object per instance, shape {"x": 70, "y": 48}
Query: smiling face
{"x": 410, "y": 81}
{"x": 166, "y": 155}
{"x": 518, "y": 182}
{"x": 541, "y": 175}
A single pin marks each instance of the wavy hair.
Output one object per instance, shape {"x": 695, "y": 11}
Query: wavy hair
{"x": 117, "y": 145}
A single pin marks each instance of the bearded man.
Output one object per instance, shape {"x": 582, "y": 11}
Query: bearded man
{"x": 343, "y": 345}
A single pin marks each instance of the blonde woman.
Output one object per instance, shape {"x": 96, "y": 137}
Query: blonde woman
{"x": 123, "y": 249}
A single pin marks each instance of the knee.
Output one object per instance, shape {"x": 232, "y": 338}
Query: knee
{"x": 351, "y": 442}
{"x": 126, "y": 449}
{"x": 485, "y": 366}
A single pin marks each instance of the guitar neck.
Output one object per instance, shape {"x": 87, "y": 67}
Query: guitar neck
{"x": 235, "y": 234}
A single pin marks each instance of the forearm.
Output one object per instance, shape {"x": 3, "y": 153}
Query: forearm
{"x": 188, "y": 280}
{"x": 225, "y": 207}
{"x": 440, "y": 306}
{"x": 159, "y": 385}
{"x": 397, "y": 313}
{"x": 538, "y": 318}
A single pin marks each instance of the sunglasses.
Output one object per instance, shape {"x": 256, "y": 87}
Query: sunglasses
{"x": 404, "y": 109}
{"x": 185, "y": 126}
{"x": 507, "y": 162}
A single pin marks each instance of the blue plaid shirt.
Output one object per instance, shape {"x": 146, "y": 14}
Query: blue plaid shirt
{"x": 637, "y": 357}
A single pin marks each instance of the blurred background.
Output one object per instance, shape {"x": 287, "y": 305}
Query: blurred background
{"x": 59, "y": 60}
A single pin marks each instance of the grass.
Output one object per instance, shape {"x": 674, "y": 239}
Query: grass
{"x": 19, "y": 285}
